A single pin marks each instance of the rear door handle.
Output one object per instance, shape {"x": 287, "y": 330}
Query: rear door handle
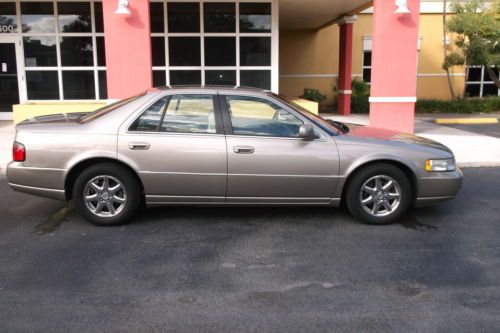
{"x": 138, "y": 146}
{"x": 243, "y": 150}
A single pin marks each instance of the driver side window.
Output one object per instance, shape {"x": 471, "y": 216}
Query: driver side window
{"x": 259, "y": 117}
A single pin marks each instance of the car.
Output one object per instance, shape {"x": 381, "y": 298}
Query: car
{"x": 225, "y": 146}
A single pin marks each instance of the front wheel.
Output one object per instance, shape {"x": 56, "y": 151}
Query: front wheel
{"x": 379, "y": 194}
{"x": 106, "y": 194}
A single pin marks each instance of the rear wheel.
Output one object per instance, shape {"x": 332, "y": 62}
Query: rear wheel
{"x": 106, "y": 194}
{"x": 379, "y": 194}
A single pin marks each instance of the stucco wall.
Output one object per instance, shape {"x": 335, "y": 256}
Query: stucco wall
{"x": 309, "y": 59}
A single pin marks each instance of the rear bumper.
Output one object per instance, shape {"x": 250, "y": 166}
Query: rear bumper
{"x": 438, "y": 187}
{"x": 45, "y": 182}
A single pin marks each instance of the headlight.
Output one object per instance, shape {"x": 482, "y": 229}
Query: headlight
{"x": 440, "y": 165}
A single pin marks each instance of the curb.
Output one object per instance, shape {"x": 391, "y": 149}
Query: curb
{"x": 466, "y": 121}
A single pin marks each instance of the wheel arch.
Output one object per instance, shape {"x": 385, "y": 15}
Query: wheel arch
{"x": 400, "y": 165}
{"x": 78, "y": 168}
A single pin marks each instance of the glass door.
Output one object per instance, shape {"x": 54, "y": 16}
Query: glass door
{"x": 9, "y": 76}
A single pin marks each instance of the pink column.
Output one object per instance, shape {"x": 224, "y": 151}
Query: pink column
{"x": 345, "y": 65}
{"x": 394, "y": 66}
{"x": 128, "y": 49}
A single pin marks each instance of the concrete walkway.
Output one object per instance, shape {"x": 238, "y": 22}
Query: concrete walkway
{"x": 470, "y": 148}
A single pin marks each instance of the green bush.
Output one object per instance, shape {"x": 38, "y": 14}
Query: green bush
{"x": 313, "y": 95}
{"x": 359, "y": 98}
{"x": 465, "y": 105}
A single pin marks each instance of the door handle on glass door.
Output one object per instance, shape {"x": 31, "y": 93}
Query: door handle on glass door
{"x": 138, "y": 146}
{"x": 243, "y": 150}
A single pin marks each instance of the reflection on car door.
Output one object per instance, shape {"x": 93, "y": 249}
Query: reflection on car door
{"x": 267, "y": 162}
{"x": 179, "y": 148}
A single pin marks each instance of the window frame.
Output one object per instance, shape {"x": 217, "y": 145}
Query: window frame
{"x": 274, "y": 52}
{"x": 228, "y": 125}
{"x": 219, "y": 129}
{"x": 59, "y": 68}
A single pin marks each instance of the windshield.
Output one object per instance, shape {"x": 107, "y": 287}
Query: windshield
{"x": 331, "y": 127}
{"x": 106, "y": 109}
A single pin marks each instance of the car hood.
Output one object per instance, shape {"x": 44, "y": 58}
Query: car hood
{"x": 394, "y": 136}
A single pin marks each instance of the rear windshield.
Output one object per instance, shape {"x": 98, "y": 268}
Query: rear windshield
{"x": 106, "y": 109}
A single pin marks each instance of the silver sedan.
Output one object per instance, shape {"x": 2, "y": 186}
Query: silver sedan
{"x": 225, "y": 146}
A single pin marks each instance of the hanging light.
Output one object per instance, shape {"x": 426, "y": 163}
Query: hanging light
{"x": 402, "y": 7}
{"x": 122, "y": 7}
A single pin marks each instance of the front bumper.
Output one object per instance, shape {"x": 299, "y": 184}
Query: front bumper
{"x": 436, "y": 187}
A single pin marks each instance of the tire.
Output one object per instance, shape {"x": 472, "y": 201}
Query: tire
{"x": 110, "y": 204}
{"x": 373, "y": 199}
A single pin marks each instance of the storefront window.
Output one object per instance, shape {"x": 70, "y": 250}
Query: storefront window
{"x": 8, "y": 17}
{"x": 212, "y": 43}
{"x": 63, "y": 38}
{"x": 479, "y": 83}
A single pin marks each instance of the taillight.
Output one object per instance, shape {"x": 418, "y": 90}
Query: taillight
{"x": 18, "y": 152}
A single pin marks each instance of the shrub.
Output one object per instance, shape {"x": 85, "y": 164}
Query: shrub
{"x": 313, "y": 95}
{"x": 359, "y": 98}
{"x": 465, "y": 105}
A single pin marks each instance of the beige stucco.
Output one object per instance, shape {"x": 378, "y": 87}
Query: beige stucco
{"x": 309, "y": 59}
{"x": 28, "y": 110}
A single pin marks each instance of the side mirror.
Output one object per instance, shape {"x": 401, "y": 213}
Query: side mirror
{"x": 306, "y": 132}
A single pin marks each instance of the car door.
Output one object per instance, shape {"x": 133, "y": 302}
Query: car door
{"x": 267, "y": 161}
{"x": 178, "y": 146}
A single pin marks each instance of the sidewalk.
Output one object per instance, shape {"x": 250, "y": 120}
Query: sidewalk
{"x": 470, "y": 149}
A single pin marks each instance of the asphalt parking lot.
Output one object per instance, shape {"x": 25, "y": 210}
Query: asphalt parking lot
{"x": 253, "y": 269}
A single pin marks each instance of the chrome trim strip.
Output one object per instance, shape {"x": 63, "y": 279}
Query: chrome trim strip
{"x": 448, "y": 197}
{"x": 37, "y": 168}
{"x": 182, "y": 197}
{"x": 271, "y": 175}
{"x": 36, "y": 188}
{"x": 181, "y": 173}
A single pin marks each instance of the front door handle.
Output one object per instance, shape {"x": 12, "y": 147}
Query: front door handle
{"x": 243, "y": 150}
{"x": 138, "y": 146}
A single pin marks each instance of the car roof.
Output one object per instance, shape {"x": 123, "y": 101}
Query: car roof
{"x": 221, "y": 89}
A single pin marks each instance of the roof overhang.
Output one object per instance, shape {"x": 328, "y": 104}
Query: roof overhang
{"x": 315, "y": 14}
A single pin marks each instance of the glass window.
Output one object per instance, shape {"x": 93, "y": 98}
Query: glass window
{"x": 76, "y": 51}
{"x": 156, "y": 16}
{"x": 255, "y": 17}
{"x": 223, "y": 78}
{"x": 220, "y": 51}
{"x": 39, "y": 51}
{"x": 98, "y": 17}
{"x": 475, "y": 74}
{"x": 183, "y": 17}
{"x": 490, "y": 89}
{"x": 159, "y": 78}
{"x": 103, "y": 85}
{"x": 74, "y": 17}
{"x": 255, "y": 51}
{"x": 220, "y": 17}
{"x": 257, "y": 79}
{"x": 473, "y": 90}
{"x": 259, "y": 117}
{"x": 8, "y": 17}
{"x": 367, "y": 75}
{"x": 37, "y": 17}
{"x": 78, "y": 84}
{"x": 189, "y": 114}
{"x": 367, "y": 58}
{"x": 182, "y": 78}
{"x": 158, "y": 51}
{"x": 486, "y": 76}
{"x": 42, "y": 85}
{"x": 184, "y": 51}
{"x": 101, "y": 53}
{"x": 150, "y": 120}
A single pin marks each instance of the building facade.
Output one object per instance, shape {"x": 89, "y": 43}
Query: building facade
{"x": 77, "y": 55}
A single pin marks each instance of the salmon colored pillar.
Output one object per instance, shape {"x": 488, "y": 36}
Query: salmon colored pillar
{"x": 394, "y": 65}
{"x": 128, "y": 49}
{"x": 345, "y": 65}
